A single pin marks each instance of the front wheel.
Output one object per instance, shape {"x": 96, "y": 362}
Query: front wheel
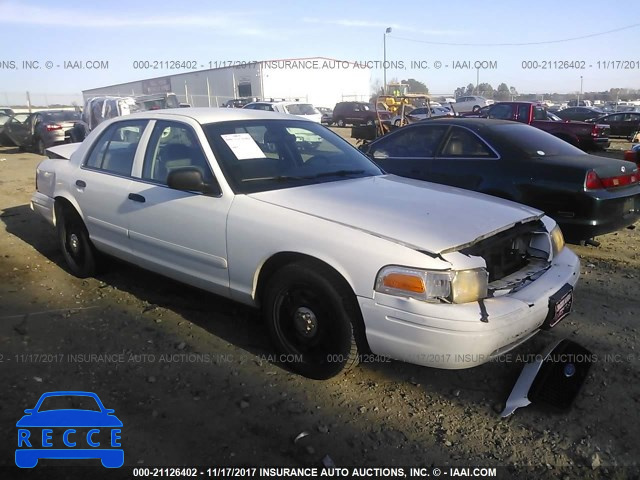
{"x": 40, "y": 146}
{"x": 311, "y": 314}
{"x": 77, "y": 249}
{"x": 340, "y": 122}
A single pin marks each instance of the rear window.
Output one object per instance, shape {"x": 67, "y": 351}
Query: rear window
{"x": 301, "y": 109}
{"x": 534, "y": 142}
{"x": 61, "y": 116}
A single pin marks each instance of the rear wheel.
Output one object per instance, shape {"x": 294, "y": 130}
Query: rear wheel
{"x": 312, "y": 316}
{"x": 77, "y": 249}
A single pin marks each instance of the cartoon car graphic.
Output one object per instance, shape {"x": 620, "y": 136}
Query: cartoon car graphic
{"x": 86, "y": 431}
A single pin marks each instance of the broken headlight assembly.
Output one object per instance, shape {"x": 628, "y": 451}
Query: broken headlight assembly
{"x": 461, "y": 286}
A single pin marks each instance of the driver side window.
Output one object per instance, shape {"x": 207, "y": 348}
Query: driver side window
{"x": 173, "y": 146}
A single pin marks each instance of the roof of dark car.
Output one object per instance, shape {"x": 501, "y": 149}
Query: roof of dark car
{"x": 468, "y": 121}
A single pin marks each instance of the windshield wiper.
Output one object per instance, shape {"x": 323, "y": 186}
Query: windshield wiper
{"x": 277, "y": 178}
{"x": 337, "y": 173}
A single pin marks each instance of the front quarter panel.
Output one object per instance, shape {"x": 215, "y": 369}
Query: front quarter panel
{"x": 257, "y": 230}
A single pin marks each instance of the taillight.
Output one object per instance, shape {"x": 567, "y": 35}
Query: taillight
{"x": 52, "y": 127}
{"x": 594, "y": 182}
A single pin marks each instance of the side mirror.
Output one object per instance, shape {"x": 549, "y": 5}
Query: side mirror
{"x": 190, "y": 179}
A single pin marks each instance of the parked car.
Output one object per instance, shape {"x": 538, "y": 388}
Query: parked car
{"x": 239, "y": 102}
{"x": 327, "y": 115}
{"x": 621, "y": 124}
{"x": 40, "y": 130}
{"x": 304, "y": 110}
{"x": 470, "y": 103}
{"x": 341, "y": 258}
{"x": 7, "y": 111}
{"x": 587, "y": 195}
{"x": 579, "y": 113}
{"x": 4, "y": 140}
{"x": 579, "y": 103}
{"x": 586, "y": 136}
{"x": 633, "y": 155}
{"x": 422, "y": 113}
{"x": 358, "y": 113}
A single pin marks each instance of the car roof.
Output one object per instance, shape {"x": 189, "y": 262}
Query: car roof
{"x": 468, "y": 121}
{"x": 213, "y": 115}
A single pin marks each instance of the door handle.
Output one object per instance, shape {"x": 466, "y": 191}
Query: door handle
{"x": 80, "y": 183}
{"x": 136, "y": 198}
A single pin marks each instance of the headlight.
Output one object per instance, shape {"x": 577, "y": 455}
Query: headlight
{"x": 557, "y": 240}
{"x": 432, "y": 286}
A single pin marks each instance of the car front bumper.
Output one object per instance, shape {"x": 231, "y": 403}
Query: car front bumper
{"x": 453, "y": 336}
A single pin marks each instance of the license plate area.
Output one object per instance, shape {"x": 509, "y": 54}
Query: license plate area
{"x": 560, "y": 305}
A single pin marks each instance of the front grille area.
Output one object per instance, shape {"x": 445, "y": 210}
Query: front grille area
{"x": 506, "y": 252}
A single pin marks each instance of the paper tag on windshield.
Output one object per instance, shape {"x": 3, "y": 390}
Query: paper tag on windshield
{"x": 243, "y": 146}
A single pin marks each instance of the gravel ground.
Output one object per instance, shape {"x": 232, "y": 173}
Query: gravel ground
{"x": 193, "y": 378}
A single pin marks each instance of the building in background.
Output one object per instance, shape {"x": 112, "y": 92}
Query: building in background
{"x": 317, "y": 80}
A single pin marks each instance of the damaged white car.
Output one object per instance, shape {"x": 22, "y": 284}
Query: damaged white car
{"x": 342, "y": 259}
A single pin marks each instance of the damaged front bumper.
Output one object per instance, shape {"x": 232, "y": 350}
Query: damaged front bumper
{"x": 455, "y": 336}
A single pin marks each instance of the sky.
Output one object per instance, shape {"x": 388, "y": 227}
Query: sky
{"x": 534, "y": 46}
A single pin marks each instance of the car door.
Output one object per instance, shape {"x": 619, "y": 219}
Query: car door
{"x": 630, "y": 124}
{"x": 409, "y": 151}
{"x": 178, "y": 233}
{"x": 464, "y": 160}
{"x": 615, "y": 123}
{"x": 17, "y": 129}
{"x": 101, "y": 186}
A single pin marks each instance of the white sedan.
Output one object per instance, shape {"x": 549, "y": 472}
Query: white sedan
{"x": 341, "y": 258}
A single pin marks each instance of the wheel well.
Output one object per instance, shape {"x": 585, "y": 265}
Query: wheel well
{"x": 62, "y": 204}
{"x": 279, "y": 260}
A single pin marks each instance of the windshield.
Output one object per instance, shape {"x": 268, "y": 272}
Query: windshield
{"x": 66, "y": 402}
{"x": 301, "y": 109}
{"x": 533, "y": 141}
{"x": 260, "y": 155}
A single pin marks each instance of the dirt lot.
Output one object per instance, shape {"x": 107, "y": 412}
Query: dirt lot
{"x": 191, "y": 375}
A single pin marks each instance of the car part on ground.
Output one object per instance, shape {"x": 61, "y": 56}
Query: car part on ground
{"x": 554, "y": 378}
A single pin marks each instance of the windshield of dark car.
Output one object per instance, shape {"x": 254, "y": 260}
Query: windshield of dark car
{"x": 533, "y": 141}
{"x": 260, "y": 155}
{"x": 300, "y": 109}
{"x": 61, "y": 116}
{"x": 66, "y": 402}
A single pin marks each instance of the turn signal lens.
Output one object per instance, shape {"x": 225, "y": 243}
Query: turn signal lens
{"x": 401, "y": 281}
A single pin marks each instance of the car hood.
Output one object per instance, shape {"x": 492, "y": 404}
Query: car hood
{"x": 69, "y": 418}
{"x": 424, "y": 216}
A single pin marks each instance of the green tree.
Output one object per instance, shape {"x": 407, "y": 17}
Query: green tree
{"x": 470, "y": 89}
{"x": 416, "y": 86}
{"x": 485, "y": 90}
{"x": 502, "y": 93}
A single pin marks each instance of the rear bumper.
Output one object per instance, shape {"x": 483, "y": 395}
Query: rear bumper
{"x": 43, "y": 205}
{"x": 608, "y": 213}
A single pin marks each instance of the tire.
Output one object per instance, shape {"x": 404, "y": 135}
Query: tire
{"x": 312, "y": 315}
{"x": 40, "y": 146}
{"x": 397, "y": 123}
{"x": 77, "y": 249}
{"x": 340, "y": 122}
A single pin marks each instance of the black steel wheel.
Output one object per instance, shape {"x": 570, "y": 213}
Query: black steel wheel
{"x": 312, "y": 316}
{"x": 77, "y": 249}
